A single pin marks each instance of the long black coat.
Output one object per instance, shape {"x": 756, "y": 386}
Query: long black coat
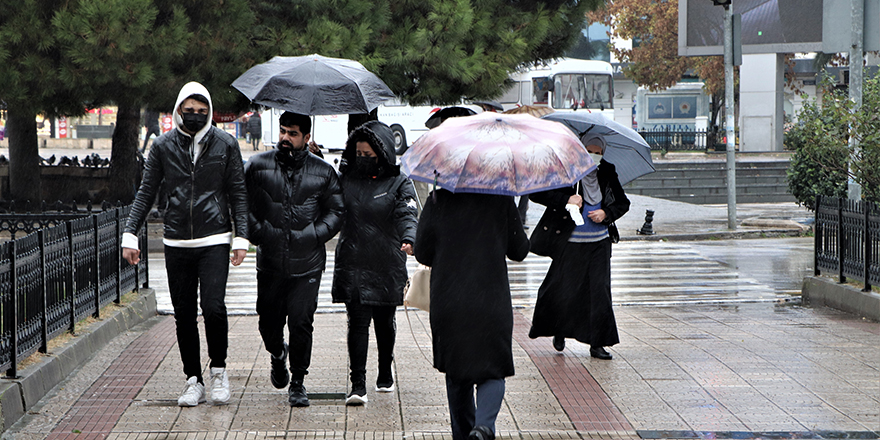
{"x": 464, "y": 238}
{"x": 380, "y": 215}
{"x": 574, "y": 301}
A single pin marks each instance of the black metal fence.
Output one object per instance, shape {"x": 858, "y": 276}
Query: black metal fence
{"x": 847, "y": 237}
{"x": 681, "y": 140}
{"x": 58, "y": 275}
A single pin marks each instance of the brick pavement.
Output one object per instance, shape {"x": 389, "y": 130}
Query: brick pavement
{"x": 745, "y": 371}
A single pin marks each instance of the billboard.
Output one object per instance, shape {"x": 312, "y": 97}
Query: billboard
{"x": 768, "y": 26}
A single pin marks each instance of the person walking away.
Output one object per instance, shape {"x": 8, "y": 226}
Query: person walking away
{"x": 574, "y": 301}
{"x": 295, "y": 208}
{"x": 255, "y": 129}
{"x": 377, "y": 234}
{"x": 151, "y": 122}
{"x": 199, "y": 169}
{"x": 465, "y": 238}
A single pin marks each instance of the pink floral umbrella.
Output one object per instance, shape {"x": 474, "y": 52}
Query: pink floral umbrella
{"x": 494, "y": 153}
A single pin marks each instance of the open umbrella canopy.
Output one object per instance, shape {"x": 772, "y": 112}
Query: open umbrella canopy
{"x": 494, "y": 153}
{"x": 445, "y": 113}
{"x": 313, "y": 85}
{"x": 489, "y": 104}
{"x": 534, "y": 110}
{"x": 625, "y": 148}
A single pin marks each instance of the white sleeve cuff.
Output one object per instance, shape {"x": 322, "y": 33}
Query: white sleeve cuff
{"x": 130, "y": 241}
{"x": 240, "y": 243}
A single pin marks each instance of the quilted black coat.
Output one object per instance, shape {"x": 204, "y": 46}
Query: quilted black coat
{"x": 380, "y": 215}
{"x": 295, "y": 208}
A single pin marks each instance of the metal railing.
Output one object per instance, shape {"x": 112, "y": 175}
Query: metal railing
{"x": 54, "y": 277}
{"x": 679, "y": 140}
{"x": 847, "y": 235}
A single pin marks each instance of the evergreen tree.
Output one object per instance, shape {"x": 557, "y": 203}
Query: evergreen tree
{"x": 30, "y": 85}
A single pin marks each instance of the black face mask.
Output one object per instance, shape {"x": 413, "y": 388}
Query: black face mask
{"x": 367, "y": 166}
{"x": 194, "y": 121}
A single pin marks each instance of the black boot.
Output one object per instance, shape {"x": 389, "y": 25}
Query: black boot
{"x": 559, "y": 343}
{"x": 385, "y": 380}
{"x": 280, "y": 377}
{"x": 599, "y": 352}
{"x": 296, "y": 394}
{"x": 481, "y": 433}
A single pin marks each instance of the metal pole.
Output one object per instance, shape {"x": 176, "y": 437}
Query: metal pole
{"x": 729, "y": 121}
{"x": 44, "y": 293}
{"x": 856, "y": 76}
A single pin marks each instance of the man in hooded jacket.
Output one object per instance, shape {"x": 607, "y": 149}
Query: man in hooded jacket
{"x": 295, "y": 208}
{"x": 200, "y": 170}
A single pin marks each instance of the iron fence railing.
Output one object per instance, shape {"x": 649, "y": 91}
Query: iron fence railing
{"x": 54, "y": 277}
{"x": 680, "y": 140}
{"x": 847, "y": 235}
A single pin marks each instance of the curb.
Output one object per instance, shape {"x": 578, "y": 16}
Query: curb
{"x": 717, "y": 235}
{"x": 19, "y": 395}
{"x": 825, "y": 292}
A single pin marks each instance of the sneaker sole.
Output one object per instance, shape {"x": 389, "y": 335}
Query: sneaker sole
{"x": 187, "y": 405}
{"x": 385, "y": 389}
{"x": 356, "y": 400}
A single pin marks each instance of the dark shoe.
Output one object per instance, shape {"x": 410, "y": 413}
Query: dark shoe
{"x": 599, "y": 353}
{"x": 296, "y": 394}
{"x": 559, "y": 343}
{"x": 280, "y": 377}
{"x": 385, "y": 382}
{"x": 481, "y": 433}
{"x": 358, "y": 394}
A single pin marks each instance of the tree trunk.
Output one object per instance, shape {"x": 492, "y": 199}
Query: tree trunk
{"x": 125, "y": 164}
{"x": 24, "y": 157}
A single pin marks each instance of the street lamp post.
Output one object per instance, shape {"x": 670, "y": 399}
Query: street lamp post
{"x": 729, "y": 116}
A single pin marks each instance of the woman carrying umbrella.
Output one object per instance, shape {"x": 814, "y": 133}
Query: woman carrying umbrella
{"x": 378, "y": 231}
{"x": 471, "y": 315}
{"x": 574, "y": 301}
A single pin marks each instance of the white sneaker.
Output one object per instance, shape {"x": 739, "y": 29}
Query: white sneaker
{"x": 193, "y": 393}
{"x": 219, "y": 386}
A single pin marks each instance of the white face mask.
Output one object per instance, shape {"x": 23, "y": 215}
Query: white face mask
{"x": 596, "y": 158}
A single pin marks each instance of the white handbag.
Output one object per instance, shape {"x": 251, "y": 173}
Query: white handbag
{"x": 417, "y": 292}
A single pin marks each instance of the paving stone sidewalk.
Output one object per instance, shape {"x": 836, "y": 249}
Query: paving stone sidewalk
{"x": 744, "y": 371}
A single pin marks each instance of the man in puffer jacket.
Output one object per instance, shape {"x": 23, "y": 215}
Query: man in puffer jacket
{"x": 199, "y": 168}
{"x": 295, "y": 208}
{"x": 377, "y": 235}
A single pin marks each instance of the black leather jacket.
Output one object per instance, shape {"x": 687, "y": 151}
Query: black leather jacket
{"x": 201, "y": 195}
{"x": 295, "y": 208}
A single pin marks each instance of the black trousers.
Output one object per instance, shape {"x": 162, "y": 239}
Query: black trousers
{"x": 194, "y": 274}
{"x": 294, "y": 300}
{"x": 465, "y": 413}
{"x": 385, "y": 326}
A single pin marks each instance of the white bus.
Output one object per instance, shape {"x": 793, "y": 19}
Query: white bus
{"x": 563, "y": 85}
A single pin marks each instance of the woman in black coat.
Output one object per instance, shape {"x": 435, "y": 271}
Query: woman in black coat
{"x": 464, "y": 238}
{"x": 378, "y": 231}
{"x": 574, "y": 301}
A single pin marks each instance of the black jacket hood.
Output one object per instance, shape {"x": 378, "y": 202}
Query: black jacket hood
{"x": 381, "y": 138}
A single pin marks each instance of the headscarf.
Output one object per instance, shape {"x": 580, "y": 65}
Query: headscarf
{"x": 590, "y": 182}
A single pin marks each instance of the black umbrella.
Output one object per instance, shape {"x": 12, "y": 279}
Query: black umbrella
{"x": 313, "y": 85}
{"x": 624, "y": 147}
{"x": 445, "y": 113}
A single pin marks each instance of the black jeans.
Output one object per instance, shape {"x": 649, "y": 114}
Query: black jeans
{"x": 198, "y": 275}
{"x": 295, "y": 300}
{"x": 465, "y": 413}
{"x": 359, "y": 317}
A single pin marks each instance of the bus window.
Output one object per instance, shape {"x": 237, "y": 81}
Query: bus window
{"x": 540, "y": 89}
{"x": 511, "y": 96}
{"x": 574, "y": 91}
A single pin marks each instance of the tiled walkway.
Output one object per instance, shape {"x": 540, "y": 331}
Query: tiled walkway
{"x": 749, "y": 371}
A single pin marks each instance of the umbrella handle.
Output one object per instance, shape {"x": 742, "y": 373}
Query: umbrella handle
{"x": 434, "y": 191}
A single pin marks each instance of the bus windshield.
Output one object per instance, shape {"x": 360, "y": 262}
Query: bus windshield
{"x": 574, "y": 91}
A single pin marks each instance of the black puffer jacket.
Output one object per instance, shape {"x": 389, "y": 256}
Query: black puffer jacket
{"x": 200, "y": 195}
{"x": 380, "y": 215}
{"x": 295, "y": 208}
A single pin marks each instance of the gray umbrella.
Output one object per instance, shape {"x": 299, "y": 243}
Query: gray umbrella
{"x": 313, "y": 85}
{"x": 625, "y": 148}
